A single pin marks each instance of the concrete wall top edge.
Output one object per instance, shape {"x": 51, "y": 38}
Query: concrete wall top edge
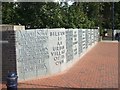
{"x": 61, "y": 29}
{"x": 6, "y": 27}
{"x": 11, "y": 27}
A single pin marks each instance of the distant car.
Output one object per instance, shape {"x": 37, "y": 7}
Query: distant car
{"x": 106, "y": 34}
{"x": 117, "y": 36}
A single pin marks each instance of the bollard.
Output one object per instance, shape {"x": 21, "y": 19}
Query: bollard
{"x": 12, "y": 81}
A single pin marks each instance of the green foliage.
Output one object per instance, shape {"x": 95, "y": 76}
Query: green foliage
{"x": 117, "y": 15}
{"x": 55, "y": 15}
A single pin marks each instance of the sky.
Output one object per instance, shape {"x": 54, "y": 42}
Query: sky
{"x": 70, "y": 2}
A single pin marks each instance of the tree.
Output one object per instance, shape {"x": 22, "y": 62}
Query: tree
{"x": 9, "y": 14}
{"x": 117, "y": 15}
{"x": 56, "y": 15}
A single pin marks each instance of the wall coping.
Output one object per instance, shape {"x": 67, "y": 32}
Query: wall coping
{"x": 5, "y": 27}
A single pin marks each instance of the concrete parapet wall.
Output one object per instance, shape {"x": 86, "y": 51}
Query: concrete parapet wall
{"x": 45, "y": 52}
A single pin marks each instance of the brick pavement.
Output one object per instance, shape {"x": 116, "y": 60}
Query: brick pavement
{"x": 97, "y": 69}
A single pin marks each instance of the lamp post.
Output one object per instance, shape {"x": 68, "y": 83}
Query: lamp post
{"x": 113, "y": 21}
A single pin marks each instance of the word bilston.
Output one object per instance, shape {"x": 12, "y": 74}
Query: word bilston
{"x": 58, "y": 50}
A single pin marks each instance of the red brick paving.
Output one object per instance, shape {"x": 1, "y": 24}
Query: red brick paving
{"x": 97, "y": 69}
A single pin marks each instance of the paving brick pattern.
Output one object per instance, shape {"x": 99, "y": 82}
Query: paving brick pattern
{"x": 97, "y": 69}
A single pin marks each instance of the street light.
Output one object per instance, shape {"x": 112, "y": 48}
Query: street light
{"x": 113, "y": 21}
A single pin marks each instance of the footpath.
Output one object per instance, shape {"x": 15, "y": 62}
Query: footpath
{"x": 96, "y": 69}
